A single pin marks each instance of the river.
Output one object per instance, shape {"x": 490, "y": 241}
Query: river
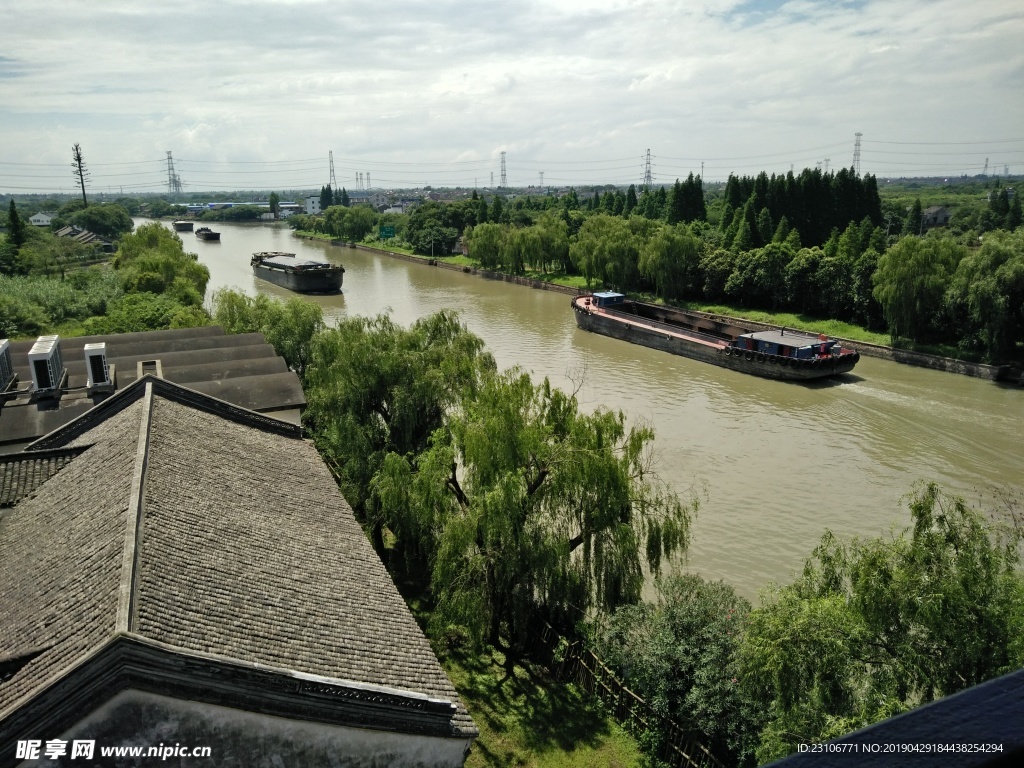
{"x": 774, "y": 463}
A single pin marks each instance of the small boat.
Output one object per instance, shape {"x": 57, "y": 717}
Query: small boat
{"x": 297, "y": 274}
{"x": 182, "y": 226}
{"x": 776, "y": 354}
{"x": 205, "y": 233}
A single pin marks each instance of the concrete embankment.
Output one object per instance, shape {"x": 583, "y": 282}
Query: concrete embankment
{"x": 907, "y": 357}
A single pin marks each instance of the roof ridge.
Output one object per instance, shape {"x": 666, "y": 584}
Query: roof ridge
{"x": 126, "y": 601}
{"x": 179, "y": 393}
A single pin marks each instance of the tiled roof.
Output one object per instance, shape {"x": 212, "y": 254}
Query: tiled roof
{"x": 185, "y": 523}
{"x": 22, "y": 473}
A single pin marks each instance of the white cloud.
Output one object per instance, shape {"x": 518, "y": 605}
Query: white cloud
{"x": 742, "y": 85}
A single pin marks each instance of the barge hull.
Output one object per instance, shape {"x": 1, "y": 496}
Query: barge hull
{"x": 714, "y": 352}
{"x": 319, "y": 281}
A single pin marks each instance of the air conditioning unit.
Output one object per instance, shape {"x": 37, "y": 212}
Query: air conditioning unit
{"x": 6, "y": 366}
{"x": 47, "y": 365}
{"x": 96, "y": 365}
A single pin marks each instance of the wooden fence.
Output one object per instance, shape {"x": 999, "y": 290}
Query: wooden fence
{"x": 574, "y": 663}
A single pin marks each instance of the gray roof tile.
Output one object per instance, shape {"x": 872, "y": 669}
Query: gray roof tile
{"x": 246, "y": 550}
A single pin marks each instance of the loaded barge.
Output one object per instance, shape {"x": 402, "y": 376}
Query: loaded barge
{"x": 295, "y": 274}
{"x": 779, "y": 354}
{"x": 205, "y": 233}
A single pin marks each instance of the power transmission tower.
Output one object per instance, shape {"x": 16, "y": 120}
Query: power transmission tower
{"x": 79, "y": 170}
{"x": 368, "y": 184}
{"x": 504, "y": 179}
{"x": 1006, "y": 170}
{"x": 334, "y": 181}
{"x": 492, "y": 179}
{"x": 648, "y": 179}
{"x": 173, "y": 179}
{"x": 983, "y": 173}
{"x": 170, "y": 173}
{"x": 542, "y": 179}
{"x": 827, "y": 160}
{"x": 856, "y": 153}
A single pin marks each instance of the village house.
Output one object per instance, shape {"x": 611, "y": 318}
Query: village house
{"x": 42, "y": 219}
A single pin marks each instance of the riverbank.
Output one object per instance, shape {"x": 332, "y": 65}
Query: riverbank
{"x": 885, "y": 352}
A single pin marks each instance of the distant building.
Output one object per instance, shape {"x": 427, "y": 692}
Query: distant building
{"x": 42, "y": 219}
{"x": 376, "y": 200}
{"x": 313, "y": 205}
{"x": 934, "y": 216}
{"x": 85, "y": 237}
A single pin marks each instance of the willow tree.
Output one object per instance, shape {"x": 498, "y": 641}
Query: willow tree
{"x": 375, "y": 388}
{"x": 533, "y": 506}
{"x": 911, "y": 282}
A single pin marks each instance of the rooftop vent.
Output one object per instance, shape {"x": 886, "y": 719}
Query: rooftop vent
{"x": 6, "y": 366}
{"x": 149, "y": 368}
{"x": 47, "y": 365}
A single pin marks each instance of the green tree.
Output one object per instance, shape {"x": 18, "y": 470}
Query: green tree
{"x": 987, "y": 294}
{"x": 716, "y": 267}
{"x": 801, "y": 280}
{"x": 54, "y": 255}
{"x": 521, "y": 248}
{"x": 375, "y": 388}
{"x": 108, "y": 220}
{"x": 535, "y": 506}
{"x": 275, "y": 201}
{"x": 554, "y": 240}
{"x": 1013, "y": 215}
{"x": 911, "y": 281}
{"x": 485, "y": 243}
{"x": 681, "y": 654}
{"x": 671, "y": 261}
{"x": 875, "y": 627}
{"x": 155, "y": 251}
{"x": 759, "y": 277}
{"x": 497, "y": 212}
{"x": 913, "y": 224}
{"x": 137, "y": 312}
{"x": 15, "y": 226}
{"x": 289, "y": 326}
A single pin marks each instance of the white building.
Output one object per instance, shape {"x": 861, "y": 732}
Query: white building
{"x": 313, "y": 205}
{"x": 42, "y": 219}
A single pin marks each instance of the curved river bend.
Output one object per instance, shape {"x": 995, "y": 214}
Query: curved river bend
{"x": 779, "y": 462}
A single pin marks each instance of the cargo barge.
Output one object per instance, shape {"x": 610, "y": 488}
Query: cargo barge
{"x": 182, "y": 226}
{"x": 297, "y": 274}
{"x": 777, "y": 354}
{"x": 205, "y": 233}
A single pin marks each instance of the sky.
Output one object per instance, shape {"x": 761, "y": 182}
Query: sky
{"x": 259, "y": 95}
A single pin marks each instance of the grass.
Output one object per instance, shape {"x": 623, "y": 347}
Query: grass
{"x": 527, "y": 719}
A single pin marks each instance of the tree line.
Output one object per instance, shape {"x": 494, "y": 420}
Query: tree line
{"x": 153, "y": 284}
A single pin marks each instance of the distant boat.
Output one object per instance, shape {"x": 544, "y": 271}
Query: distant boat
{"x": 779, "y": 354}
{"x": 182, "y": 226}
{"x": 205, "y": 233}
{"x": 295, "y": 274}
